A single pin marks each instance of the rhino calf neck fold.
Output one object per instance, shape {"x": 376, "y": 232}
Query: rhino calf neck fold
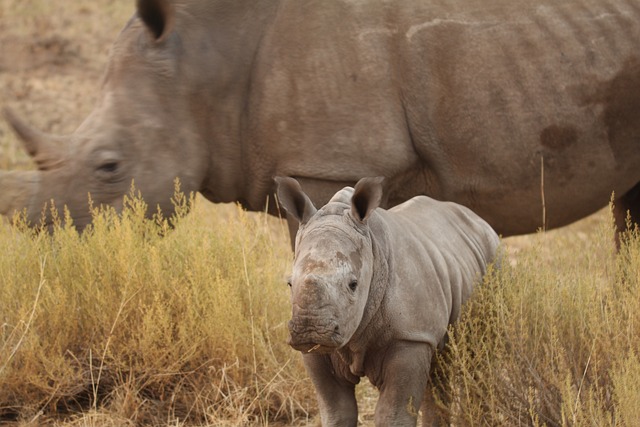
{"x": 373, "y": 292}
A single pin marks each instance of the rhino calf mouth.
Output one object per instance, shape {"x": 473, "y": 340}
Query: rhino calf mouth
{"x": 307, "y": 339}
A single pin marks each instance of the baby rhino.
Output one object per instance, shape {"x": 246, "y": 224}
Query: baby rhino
{"x": 373, "y": 292}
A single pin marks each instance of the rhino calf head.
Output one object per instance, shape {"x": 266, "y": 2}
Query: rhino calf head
{"x": 332, "y": 270}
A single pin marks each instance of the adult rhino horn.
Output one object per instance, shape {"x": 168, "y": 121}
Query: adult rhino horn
{"x": 17, "y": 189}
{"x": 45, "y": 149}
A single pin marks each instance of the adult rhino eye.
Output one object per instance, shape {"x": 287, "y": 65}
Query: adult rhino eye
{"x": 353, "y": 285}
{"x": 109, "y": 167}
{"x": 109, "y": 172}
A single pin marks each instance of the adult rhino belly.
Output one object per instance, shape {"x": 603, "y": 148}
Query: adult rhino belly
{"x": 541, "y": 106}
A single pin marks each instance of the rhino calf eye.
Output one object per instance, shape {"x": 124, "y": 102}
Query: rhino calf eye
{"x": 353, "y": 285}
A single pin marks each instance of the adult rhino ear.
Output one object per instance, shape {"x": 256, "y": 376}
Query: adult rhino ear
{"x": 367, "y": 196}
{"x": 158, "y": 16}
{"x": 294, "y": 200}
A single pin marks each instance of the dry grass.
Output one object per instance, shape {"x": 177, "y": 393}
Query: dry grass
{"x": 133, "y": 323}
{"x": 126, "y": 324}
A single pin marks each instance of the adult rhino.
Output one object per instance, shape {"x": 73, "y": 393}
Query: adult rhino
{"x": 462, "y": 100}
{"x": 373, "y": 292}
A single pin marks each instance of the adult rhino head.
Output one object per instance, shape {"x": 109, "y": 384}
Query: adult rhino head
{"x": 154, "y": 120}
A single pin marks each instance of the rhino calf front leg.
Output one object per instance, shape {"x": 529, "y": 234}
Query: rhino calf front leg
{"x": 336, "y": 397}
{"x": 404, "y": 381}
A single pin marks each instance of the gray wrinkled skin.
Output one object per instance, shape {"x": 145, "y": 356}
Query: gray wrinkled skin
{"x": 460, "y": 100}
{"x": 373, "y": 292}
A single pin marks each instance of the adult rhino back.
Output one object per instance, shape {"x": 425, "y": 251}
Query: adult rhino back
{"x": 526, "y": 89}
{"x": 468, "y": 101}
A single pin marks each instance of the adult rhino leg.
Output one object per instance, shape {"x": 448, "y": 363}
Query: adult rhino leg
{"x": 626, "y": 207}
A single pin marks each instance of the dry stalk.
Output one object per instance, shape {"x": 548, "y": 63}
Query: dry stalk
{"x": 544, "y": 208}
{"x": 584, "y": 374}
{"x": 43, "y": 262}
{"x": 96, "y": 384}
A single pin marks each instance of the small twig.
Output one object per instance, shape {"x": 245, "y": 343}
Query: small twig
{"x": 544, "y": 208}
{"x": 251, "y": 317}
{"x": 96, "y": 384}
{"x": 584, "y": 374}
{"x": 271, "y": 381}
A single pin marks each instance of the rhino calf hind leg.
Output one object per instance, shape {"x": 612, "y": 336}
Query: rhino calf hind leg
{"x": 404, "y": 382}
{"x": 627, "y": 205}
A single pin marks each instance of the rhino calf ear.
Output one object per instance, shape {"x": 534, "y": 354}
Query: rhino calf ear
{"x": 157, "y": 15}
{"x": 294, "y": 200}
{"x": 366, "y": 197}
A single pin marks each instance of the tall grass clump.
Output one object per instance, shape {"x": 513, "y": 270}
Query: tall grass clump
{"x": 148, "y": 324}
{"x": 551, "y": 339}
